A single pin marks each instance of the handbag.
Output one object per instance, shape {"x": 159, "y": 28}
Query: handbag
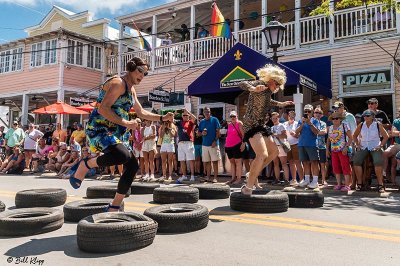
{"x": 285, "y": 145}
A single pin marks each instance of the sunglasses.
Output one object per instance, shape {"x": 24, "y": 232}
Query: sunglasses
{"x": 371, "y": 103}
{"x": 318, "y": 113}
{"x": 142, "y": 70}
{"x": 307, "y": 112}
{"x": 335, "y": 118}
{"x": 185, "y": 115}
{"x": 366, "y": 115}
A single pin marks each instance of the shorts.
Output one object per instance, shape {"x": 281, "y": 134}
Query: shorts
{"x": 282, "y": 152}
{"x": 137, "y": 153}
{"x": 210, "y": 154}
{"x": 167, "y": 147}
{"x": 308, "y": 154}
{"x": 149, "y": 145}
{"x": 393, "y": 149}
{"x": 264, "y": 130}
{"x": 249, "y": 154}
{"x": 340, "y": 163}
{"x": 293, "y": 154}
{"x": 197, "y": 150}
{"x": 186, "y": 151}
{"x": 360, "y": 155}
{"x": 322, "y": 155}
{"x": 234, "y": 152}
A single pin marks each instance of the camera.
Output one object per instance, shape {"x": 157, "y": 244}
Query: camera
{"x": 305, "y": 116}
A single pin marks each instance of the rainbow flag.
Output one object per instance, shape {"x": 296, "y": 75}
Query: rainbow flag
{"x": 145, "y": 44}
{"x": 219, "y": 27}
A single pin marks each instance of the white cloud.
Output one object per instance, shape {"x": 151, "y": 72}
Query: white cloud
{"x": 112, "y": 6}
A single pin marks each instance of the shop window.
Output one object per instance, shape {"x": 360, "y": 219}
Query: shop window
{"x": 144, "y": 101}
{"x": 176, "y": 99}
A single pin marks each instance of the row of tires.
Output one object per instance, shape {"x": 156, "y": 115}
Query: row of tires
{"x": 106, "y": 232}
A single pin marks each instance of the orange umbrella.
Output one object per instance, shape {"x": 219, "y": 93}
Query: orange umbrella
{"x": 59, "y": 108}
{"x": 87, "y": 107}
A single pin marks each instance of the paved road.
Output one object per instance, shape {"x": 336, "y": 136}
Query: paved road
{"x": 348, "y": 230}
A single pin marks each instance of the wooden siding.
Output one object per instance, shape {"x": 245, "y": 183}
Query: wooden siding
{"x": 79, "y": 77}
{"x": 72, "y": 25}
{"x": 29, "y": 79}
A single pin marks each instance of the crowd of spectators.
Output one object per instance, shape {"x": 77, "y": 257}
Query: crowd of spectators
{"x": 351, "y": 148}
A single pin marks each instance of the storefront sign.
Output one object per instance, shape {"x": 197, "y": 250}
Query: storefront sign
{"x": 376, "y": 80}
{"x": 79, "y": 101}
{"x": 160, "y": 96}
{"x": 308, "y": 83}
{"x": 236, "y": 76}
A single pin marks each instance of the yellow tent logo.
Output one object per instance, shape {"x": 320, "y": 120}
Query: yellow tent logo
{"x": 236, "y": 76}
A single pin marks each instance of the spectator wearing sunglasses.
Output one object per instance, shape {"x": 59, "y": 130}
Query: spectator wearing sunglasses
{"x": 349, "y": 119}
{"x": 308, "y": 152}
{"x": 367, "y": 140}
{"x": 380, "y": 115}
{"x": 321, "y": 144}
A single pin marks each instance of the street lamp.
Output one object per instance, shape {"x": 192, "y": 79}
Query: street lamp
{"x": 274, "y": 32}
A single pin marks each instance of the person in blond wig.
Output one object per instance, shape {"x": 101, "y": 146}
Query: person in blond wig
{"x": 271, "y": 79}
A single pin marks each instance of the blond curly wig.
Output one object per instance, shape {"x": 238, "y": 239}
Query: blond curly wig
{"x": 276, "y": 73}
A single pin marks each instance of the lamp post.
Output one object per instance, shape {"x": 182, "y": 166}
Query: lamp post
{"x": 273, "y": 33}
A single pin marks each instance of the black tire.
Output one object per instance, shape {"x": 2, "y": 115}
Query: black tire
{"x": 46, "y": 197}
{"x": 30, "y": 221}
{"x": 2, "y": 206}
{"x": 115, "y": 232}
{"x": 302, "y": 199}
{"x": 260, "y": 202}
{"x": 179, "y": 194}
{"x": 179, "y": 218}
{"x": 211, "y": 191}
{"x": 143, "y": 188}
{"x": 101, "y": 192}
{"x": 77, "y": 210}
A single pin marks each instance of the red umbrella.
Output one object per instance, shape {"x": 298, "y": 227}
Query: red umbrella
{"x": 59, "y": 108}
{"x": 87, "y": 107}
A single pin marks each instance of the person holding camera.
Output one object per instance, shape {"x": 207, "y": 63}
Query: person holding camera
{"x": 308, "y": 151}
{"x": 367, "y": 139}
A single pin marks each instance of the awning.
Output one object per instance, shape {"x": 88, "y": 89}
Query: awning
{"x": 240, "y": 63}
{"x": 318, "y": 69}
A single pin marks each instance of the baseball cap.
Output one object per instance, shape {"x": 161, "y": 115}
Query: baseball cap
{"x": 308, "y": 107}
{"x": 338, "y": 104}
{"x": 15, "y": 122}
{"x": 233, "y": 113}
{"x": 358, "y": 115}
{"x": 368, "y": 113}
{"x": 372, "y": 100}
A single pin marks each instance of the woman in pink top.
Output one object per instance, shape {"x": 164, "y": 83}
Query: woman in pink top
{"x": 234, "y": 147}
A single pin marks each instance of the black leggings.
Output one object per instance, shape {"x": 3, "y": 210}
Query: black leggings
{"x": 116, "y": 155}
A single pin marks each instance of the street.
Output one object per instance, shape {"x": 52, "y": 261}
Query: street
{"x": 348, "y": 230}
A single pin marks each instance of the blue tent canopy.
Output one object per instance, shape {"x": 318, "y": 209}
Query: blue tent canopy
{"x": 240, "y": 63}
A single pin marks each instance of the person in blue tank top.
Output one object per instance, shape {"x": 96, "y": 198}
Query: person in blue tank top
{"x": 108, "y": 124}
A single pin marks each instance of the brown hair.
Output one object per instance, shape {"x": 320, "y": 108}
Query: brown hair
{"x": 135, "y": 62}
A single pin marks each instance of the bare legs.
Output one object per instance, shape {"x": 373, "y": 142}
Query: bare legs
{"x": 265, "y": 150}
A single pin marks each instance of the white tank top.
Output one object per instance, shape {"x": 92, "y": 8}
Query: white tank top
{"x": 370, "y": 138}
{"x": 148, "y": 131}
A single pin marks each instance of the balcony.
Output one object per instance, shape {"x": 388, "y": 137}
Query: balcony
{"x": 347, "y": 24}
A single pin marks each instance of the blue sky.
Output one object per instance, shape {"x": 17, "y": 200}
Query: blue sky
{"x": 15, "y": 15}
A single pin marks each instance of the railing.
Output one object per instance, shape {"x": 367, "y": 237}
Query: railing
{"x": 348, "y": 23}
{"x": 314, "y": 29}
{"x": 360, "y": 21}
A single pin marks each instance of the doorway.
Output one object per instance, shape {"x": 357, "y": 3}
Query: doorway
{"x": 218, "y": 112}
{"x": 358, "y": 104}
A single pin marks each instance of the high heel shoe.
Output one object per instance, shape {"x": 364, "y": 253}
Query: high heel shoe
{"x": 115, "y": 207}
{"x": 75, "y": 182}
{"x": 245, "y": 190}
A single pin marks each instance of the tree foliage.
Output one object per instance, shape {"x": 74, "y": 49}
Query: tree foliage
{"x": 323, "y": 9}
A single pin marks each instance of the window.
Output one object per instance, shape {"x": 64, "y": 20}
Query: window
{"x": 97, "y": 58}
{"x": 71, "y": 52}
{"x": 144, "y": 101}
{"x": 36, "y": 55}
{"x": 93, "y": 57}
{"x": 176, "y": 99}
{"x": 44, "y": 53}
{"x": 79, "y": 53}
{"x": 11, "y": 60}
{"x": 50, "y": 53}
